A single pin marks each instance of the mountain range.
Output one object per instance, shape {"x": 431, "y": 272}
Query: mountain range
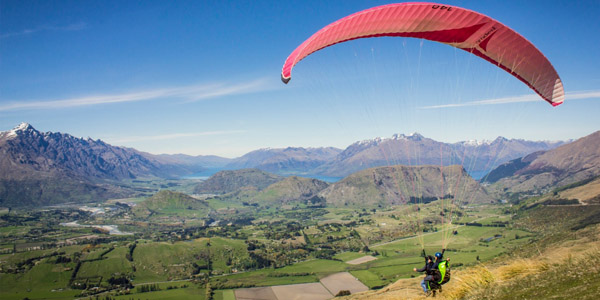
{"x": 285, "y": 160}
{"x": 478, "y": 157}
{"x": 47, "y": 167}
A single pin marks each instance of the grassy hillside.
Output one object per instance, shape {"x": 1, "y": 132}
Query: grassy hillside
{"x": 290, "y": 189}
{"x": 229, "y": 181}
{"x": 167, "y": 201}
{"x": 558, "y": 262}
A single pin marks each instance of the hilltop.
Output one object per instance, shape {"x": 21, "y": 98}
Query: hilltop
{"x": 230, "y": 181}
{"x": 166, "y": 200}
{"x": 386, "y": 186}
{"x": 292, "y": 190}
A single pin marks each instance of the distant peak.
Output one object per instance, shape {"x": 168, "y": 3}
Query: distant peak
{"x": 23, "y": 126}
{"x": 475, "y": 142}
{"x": 415, "y": 136}
{"x": 20, "y": 129}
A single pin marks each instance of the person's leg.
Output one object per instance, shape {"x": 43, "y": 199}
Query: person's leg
{"x": 425, "y": 282}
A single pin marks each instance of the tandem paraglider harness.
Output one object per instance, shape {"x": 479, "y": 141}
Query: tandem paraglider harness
{"x": 441, "y": 271}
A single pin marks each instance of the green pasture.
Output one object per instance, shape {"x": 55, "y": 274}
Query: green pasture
{"x": 320, "y": 267}
{"x": 114, "y": 264}
{"x": 215, "y": 204}
{"x": 162, "y": 261}
{"x": 263, "y": 277}
{"x": 303, "y": 272}
{"x": 43, "y": 280}
{"x": 223, "y": 250}
{"x": 14, "y": 230}
{"x": 94, "y": 253}
{"x": 224, "y": 295}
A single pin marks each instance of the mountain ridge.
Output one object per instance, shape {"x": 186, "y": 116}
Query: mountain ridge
{"x": 561, "y": 166}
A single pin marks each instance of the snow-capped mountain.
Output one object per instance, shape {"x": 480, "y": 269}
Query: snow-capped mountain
{"x": 478, "y": 157}
{"x": 47, "y": 167}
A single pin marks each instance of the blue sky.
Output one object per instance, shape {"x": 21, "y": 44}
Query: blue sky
{"x": 202, "y": 77}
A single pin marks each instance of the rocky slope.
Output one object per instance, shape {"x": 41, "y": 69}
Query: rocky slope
{"x": 24, "y": 151}
{"x": 405, "y": 184}
{"x": 293, "y": 189}
{"x": 564, "y": 165}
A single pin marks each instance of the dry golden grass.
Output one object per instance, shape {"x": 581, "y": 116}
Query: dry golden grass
{"x": 520, "y": 267}
{"x": 468, "y": 280}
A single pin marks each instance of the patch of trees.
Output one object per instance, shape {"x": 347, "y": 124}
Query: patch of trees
{"x": 493, "y": 224}
{"x": 121, "y": 281}
{"x": 129, "y": 254}
{"x": 425, "y": 200}
{"x": 316, "y": 201}
{"x": 198, "y": 268}
{"x": 209, "y": 291}
{"x": 561, "y": 202}
{"x": 259, "y": 261}
{"x": 278, "y": 274}
{"x": 147, "y": 288}
{"x": 325, "y": 253}
{"x": 225, "y": 285}
{"x": 62, "y": 259}
{"x": 74, "y": 274}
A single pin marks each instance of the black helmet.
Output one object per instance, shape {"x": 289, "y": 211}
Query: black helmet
{"x": 438, "y": 255}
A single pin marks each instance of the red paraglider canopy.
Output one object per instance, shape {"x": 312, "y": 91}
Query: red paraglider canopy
{"x": 455, "y": 26}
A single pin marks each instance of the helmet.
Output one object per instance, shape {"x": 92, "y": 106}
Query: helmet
{"x": 438, "y": 255}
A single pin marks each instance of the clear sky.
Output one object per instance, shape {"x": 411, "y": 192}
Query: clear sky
{"x": 203, "y": 77}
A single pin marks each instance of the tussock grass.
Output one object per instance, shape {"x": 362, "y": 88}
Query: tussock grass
{"x": 525, "y": 278}
{"x": 468, "y": 280}
{"x": 519, "y": 268}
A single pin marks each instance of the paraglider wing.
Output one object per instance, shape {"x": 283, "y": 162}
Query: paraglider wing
{"x": 457, "y": 27}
